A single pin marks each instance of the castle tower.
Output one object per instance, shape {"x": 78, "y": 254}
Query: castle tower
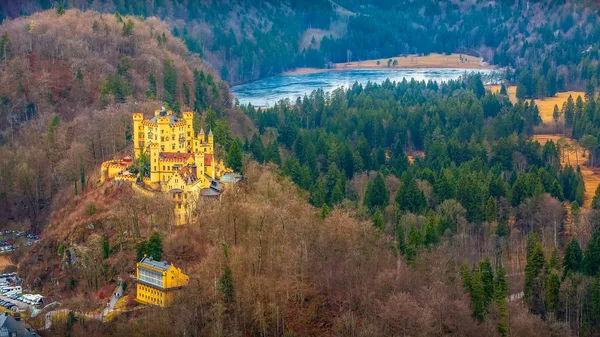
{"x": 211, "y": 142}
{"x": 199, "y": 161}
{"x": 138, "y": 134}
{"x": 154, "y": 164}
{"x": 189, "y": 123}
{"x": 202, "y": 136}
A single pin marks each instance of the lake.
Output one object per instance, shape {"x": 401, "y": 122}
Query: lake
{"x": 267, "y": 91}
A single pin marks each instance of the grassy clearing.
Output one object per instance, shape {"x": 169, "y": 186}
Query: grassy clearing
{"x": 546, "y": 105}
{"x": 408, "y": 61}
{"x": 512, "y": 91}
{"x": 591, "y": 176}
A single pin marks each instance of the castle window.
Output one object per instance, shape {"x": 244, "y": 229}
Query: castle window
{"x": 162, "y": 139}
{"x": 188, "y": 133}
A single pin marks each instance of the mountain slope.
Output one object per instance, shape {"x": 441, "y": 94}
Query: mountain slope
{"x": 68, "y": 84}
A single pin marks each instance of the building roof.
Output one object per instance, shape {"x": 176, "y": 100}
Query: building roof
{"x": 172, "y": 118}
{"x": 162, "y": 265}
{"x": 188, "y": 175}
{"x": 11, "y": 327}
{"x": 208, "y": 159}
{"x": 175, "y": 156}
{"x": 231, "y": 178}
{"x": 209, "y": 192}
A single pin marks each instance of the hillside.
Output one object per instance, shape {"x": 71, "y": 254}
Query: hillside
{"x": 245, "y": 40}
{"x": 68, "y": 85}
{"x": 292, "y": 272}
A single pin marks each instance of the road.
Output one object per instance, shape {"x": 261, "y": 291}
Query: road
{"x": 113, "y": 300}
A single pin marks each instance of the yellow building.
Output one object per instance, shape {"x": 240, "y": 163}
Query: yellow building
{"x": 157, "y": 282}
{"x": 181, "y": 162}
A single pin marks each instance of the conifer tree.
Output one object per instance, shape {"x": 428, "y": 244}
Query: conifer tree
{"x": 552, "y": 293}
{"x": 591, "y": 257}
{"x": 573, "y": 258}
{"x": 409, "y": 197}
{"x": 534, "y": 278}
{"x": 272, "y": 152}
{"x": 478, "y": 297}
{"x": 487, "y": 279}
{"x": 376, "y": 195}
{"x": 432, "y": 235}
{"x": 378, "y": 220}
{"x": 60, "y": 9}
{"x": 490, "y": 210}
{"x": 596, "y": 199}
{"x": 257, "y": 148}
{"x": 501, "y": 300}
{"x": 235, "y": 158}
{"x": 170, "y": 83}
{"x": 324, "y": 211}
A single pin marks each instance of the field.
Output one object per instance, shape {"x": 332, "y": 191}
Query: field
{"x": 512, "y": 91}
{"x": 591, "y": 176}
{"x": 408, "y": 61}
{"x": 546, "y": 105}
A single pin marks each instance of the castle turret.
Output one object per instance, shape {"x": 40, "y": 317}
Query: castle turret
{"x": 202, "y": 136}
{"x": 189, "y": 123}
{"x": 211, "y": 142}
{"x": 154, "y": 164}
{"x": 138, "y": 134}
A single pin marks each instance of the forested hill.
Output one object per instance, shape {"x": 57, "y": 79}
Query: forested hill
{"x": 555, "y": 41}
{"x": 68, "y": 84}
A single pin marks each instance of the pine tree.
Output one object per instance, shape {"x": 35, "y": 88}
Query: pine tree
{"x": 534, "y": 287}
{"x": 128, "y": 27}
{"x": 155, "y": 247}
{"x": 573, "y": 259}
{"x": 272, "y": 153}
{"x": 377, "y": 195}
{"x": 487, "y": 278}
{"x": 257, "y": 148}
{"x": 500, "y": 298}
{"x": 170, "y": 83}
{"x": 235, "y": 158}
{"x": 596, "y": 199}
{"x": 555, "y": 114}
{"x": 409, "y": 197}
{"x": 378, "y": 220}
{"x": 151, "y": 92}
{"x": 552, "y": 293}
{"x": 478, "y": 297}
{"x": 591, "y": 257}
{"x": 467, "y": 276}
{"x": 432, "y": 235}
{"x": 324, "y": 211}
{"x": 490, "y": 210}
{"x": 60, "y": 9}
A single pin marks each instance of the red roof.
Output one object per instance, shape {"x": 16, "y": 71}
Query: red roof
{"x": 208, "y": 159}
{"x": 175, "y": 156}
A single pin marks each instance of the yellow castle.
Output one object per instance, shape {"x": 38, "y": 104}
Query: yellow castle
{"x": 181, "y": 162}
{"x": 157, "y": 282}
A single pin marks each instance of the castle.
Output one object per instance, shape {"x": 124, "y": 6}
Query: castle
{"x": 180, "y": 162}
